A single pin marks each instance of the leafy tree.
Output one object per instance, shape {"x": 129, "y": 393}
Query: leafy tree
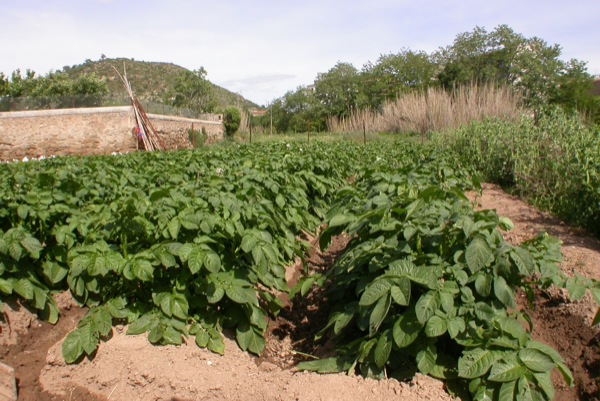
{"x": 530, "y": 65}
{"x": 337, "y": 90}
{"x": 89, "y": 84}
{"x": 22, "y": 86}
{"x": 192, "y": 91}
{"x": 479, "y": 56}
{"x": 4, "y": 85}
{"x": 394, "y": 74}
{"x": 231, "y": 120}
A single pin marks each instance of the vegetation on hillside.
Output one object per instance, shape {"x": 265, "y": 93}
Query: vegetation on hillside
{"x": 163, "y": 83}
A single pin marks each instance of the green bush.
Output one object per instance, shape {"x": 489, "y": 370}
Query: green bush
{"x": 231, "y": 121}
{"x": 554, "y": 164}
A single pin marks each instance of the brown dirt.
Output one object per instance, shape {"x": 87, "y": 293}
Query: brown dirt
{"x": 129, "y": 368}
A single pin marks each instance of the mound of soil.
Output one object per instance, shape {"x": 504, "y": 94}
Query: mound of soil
{"x": 129, "y": 368}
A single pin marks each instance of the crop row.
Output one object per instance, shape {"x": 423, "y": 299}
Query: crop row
{"x": 428, "y": 284}
{"x": 175, "y": 244}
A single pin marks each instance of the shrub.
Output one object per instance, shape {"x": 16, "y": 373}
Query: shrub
{"x": 231, "y": 121}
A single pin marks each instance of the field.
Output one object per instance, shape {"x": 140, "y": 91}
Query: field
{"x": 197, "y": 252}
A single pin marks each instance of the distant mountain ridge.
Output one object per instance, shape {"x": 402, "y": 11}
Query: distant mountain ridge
{"x": 149, "y": 80}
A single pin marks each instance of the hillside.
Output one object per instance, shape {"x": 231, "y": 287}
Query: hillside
{"x": 149, "y": 80}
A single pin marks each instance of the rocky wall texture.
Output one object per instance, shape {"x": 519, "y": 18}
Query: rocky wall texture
{"x": 90, "y": 131}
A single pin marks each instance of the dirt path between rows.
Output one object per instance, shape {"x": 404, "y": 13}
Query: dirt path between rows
{"x": 129, "y": 368}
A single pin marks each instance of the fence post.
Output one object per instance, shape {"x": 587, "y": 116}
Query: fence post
{"x": 193, "y": 137}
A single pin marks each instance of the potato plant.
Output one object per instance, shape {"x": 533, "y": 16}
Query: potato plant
{"x": 188, "y": 244}
{"x": 427, "y": 284}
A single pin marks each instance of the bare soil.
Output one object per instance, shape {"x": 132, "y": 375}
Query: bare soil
{"x": 129, "y": 368}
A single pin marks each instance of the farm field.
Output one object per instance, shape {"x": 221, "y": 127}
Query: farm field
{"x": 197, "y": 249}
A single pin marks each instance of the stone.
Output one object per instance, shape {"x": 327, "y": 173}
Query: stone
{"x": 8, "y": 384}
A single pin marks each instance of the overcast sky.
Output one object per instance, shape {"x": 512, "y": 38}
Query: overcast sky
{"x": 262, "y": 49}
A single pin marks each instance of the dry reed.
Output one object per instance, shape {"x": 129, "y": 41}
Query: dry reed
{"x": 433, "y": 110}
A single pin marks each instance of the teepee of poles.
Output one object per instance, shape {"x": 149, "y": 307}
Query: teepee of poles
{"x": 150, "y": 140}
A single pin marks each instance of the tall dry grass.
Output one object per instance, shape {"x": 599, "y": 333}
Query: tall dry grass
{"x": 433, "y": 110}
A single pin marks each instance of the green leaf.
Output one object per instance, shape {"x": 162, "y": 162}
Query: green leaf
{"x": 249, "y": 340}
{"x": 379, "y": 313}
{"x": 544, "y": 381}
{"x": 24, "y": 288}
{"x": 509, "y": 368}
{"x": 195, "y": 259}
{"x": 212, "y": 262}
{"x": 202, "y": 338}
{"x": 383, "y": 349}
{"x": 478, "y": 254}
{"x": 249, "y": 241}
{"x": 156, "y": 333}
{"x": 216, "y": 344}
{"x": 506, "y": 224}
{"x": 214, "y": 293}
{"x": 374, "y": 292}
{"x": 427, "y": 305}
{"x": 32, "y": 246}
{"x": 523, "y": 260}
{"x": 343, "y": 319}
{"x": 475, "y": 363}
{"x": 280, "y": 201}
{"x": 175, "y": 305}
{"x": 174, "y": 226}
{"x": 327, "y": 365}
{"x": 54, "y": 272}
{"x": 596, "y": 318}
{"x": 536, "y": 360}
{"x": 456, "y": 325}
{"x": 340, "y": 220}
{"x": 143, "y": 324}
{"x": 575, "y": 288}
{"x": 88, "y": 337}
{"x": 406, "y": 329}
{"x": 483, "y": 284}
{"x": 426, "y": 359}
{"x": 72, "y": 348}
{"x": 6, "y": 287}
{"x": 424, "y": 275}
{"x": 241, "y": 295}
{"x": 50, "y": 311}
{"x": 503, "y": 292}
{"x": 507, "y": 391}
{"x": 142, "y": 269}
{"x": 171, "y": 336}
{"x": 436, "y": 326}
{"x": 401, "y": 292}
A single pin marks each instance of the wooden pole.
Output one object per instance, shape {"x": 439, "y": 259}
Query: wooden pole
{"x": 271, "y": 109}
{"x": 364, "y": 133}
{"x": 193, "y": 137}
{"x": 251, "y": 129}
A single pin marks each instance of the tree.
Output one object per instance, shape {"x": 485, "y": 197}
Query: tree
{"x": 231, "y": 120}
{"x": 337, "y": 90}
{"x": 479, "y": 57}
{"x": 4, "y": 85}
{"x": 89, "y": 84}
{"x": 394, "y": 74}
{"x": 529, "y": 65}
{"x": 192, "y": 91}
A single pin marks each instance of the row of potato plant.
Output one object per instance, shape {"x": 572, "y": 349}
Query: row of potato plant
{"x": 427, "y": 284}
{"x": 174, "y": 244}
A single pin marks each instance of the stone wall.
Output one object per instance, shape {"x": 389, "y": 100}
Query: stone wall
{"x": 173, "y": 131}
{"x": 90, "y": 131}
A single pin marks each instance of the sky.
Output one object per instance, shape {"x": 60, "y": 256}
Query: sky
{"x": 263, "y": 49}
